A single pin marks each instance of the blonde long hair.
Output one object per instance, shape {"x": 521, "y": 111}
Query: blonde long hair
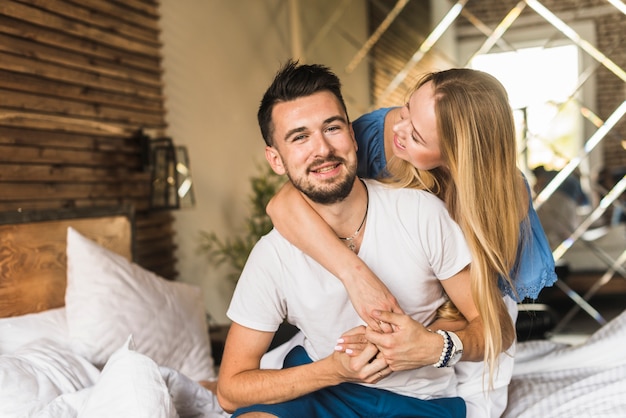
{"x": 478, "y": 184}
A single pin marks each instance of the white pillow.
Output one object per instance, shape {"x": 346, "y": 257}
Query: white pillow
{"x": 37, "y": 373}
{"x": 130, "y": 386}
{"x": 109, "y": 298}
{"x": 18, "y": 331}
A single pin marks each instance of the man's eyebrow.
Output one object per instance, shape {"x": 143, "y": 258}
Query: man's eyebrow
{"x": 294, "y": 131}
{"x": 326, "y": 122}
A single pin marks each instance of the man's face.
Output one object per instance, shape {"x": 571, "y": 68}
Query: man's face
{"x": 314, "y": 145}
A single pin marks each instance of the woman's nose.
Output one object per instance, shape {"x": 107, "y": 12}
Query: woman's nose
{"x": 403, "y": 126}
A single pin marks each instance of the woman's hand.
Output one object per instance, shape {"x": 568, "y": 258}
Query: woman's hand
{"x": 409, "y": 346}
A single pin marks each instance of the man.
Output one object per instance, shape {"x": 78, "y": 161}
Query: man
{"x": 407, "y": 238}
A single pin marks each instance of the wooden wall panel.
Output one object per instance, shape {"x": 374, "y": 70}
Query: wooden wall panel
{"x": 77, "y": 80}
{"x": 396, "y": 46}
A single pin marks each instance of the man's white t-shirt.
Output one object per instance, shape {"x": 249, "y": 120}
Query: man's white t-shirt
{"x": 409, "y": 241}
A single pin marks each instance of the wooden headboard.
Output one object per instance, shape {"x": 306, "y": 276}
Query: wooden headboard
{"x": 32, "y": 252}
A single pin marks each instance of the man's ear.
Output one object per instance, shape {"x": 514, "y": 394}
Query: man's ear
{"x": 276, "y": 162}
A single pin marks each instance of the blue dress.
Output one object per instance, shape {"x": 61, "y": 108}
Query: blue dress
{"x": 369, "y": 131}
{"x": 534, "y": 266}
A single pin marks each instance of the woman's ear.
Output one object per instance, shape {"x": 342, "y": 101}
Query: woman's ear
{"x": 276, "y": 162}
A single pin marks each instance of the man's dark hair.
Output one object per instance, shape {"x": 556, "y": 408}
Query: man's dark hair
{"x": 291, "y": 82}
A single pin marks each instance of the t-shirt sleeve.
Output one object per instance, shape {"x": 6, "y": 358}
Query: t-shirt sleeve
{"x": 257, "y": 302}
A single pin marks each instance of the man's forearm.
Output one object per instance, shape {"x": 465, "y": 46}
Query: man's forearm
{"x": 274, "y": 386}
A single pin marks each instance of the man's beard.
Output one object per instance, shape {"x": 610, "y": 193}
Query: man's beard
{"x": 326, "y": 193}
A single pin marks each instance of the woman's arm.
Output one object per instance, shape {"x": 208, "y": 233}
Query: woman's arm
{"x": 294, "y": 218}
{"x": 411, "y": 345}
{"x": 458, "y": 289}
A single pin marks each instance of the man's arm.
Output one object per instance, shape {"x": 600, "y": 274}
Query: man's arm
{"x": 241, "y": 382}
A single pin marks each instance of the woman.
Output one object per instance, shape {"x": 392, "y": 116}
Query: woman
{"x": 456, "y": 138}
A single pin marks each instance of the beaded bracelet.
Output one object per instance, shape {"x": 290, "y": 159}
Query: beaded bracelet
{"x": 447, "y": 350}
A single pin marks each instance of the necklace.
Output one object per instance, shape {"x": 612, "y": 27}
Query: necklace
{"x": 350, "y": 240}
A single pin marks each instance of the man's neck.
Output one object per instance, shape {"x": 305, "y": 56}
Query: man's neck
{"x": 346, "y": 216}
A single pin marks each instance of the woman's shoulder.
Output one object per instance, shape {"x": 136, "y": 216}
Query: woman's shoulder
{"x": 375, "y": 118}
{"x": 374, "y": 114}
{"x": 404, "y": 194}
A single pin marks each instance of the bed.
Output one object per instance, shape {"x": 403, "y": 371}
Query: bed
{"x": 588, "y": 379}
{"x": 86, "y": 332}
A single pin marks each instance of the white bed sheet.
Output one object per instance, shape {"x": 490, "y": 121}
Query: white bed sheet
{"x": 553, "y": 380}
{"x": 550, "y": 380}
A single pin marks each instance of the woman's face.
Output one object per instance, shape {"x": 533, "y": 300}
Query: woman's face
{"x": 415, "y": 137}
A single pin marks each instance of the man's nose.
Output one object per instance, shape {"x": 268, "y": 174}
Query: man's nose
{"x": 322, "y": 144}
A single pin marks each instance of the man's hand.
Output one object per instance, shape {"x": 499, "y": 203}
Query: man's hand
{"x": 353, "y": 341}
{"x": 362, "y": 363}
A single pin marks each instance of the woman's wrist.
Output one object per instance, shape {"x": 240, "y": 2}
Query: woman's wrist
{"x": 437, "y": 346}
{"x": 452, "y": 349}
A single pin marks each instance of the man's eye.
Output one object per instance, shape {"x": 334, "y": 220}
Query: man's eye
{"x": 333, "y": 128}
